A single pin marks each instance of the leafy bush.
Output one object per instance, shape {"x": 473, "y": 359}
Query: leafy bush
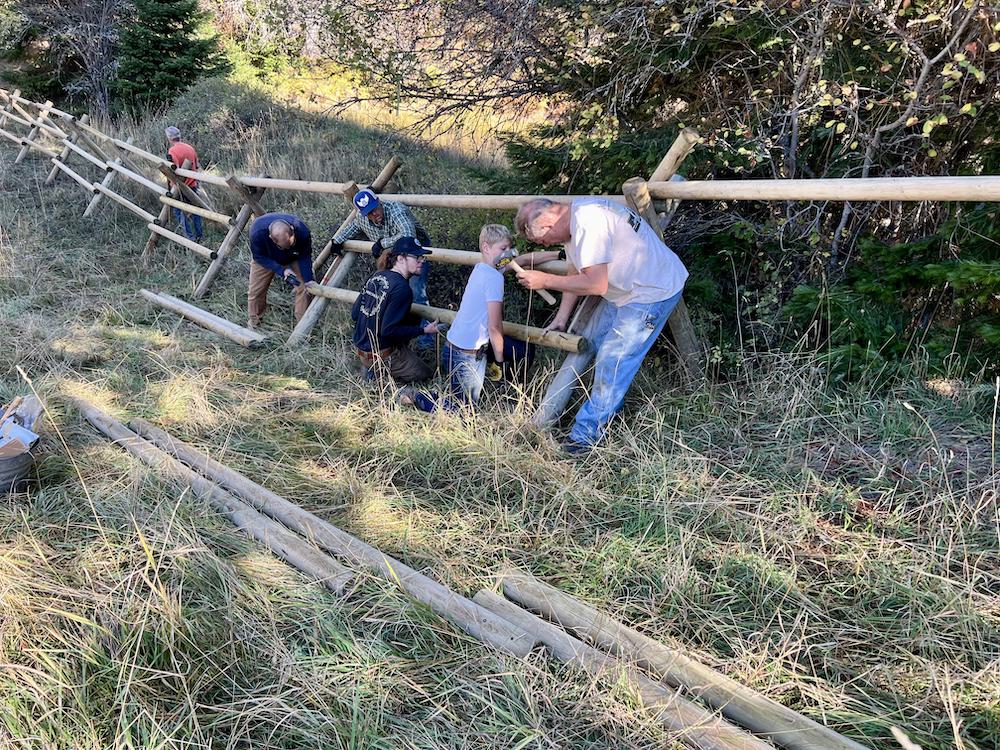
{"x": 939, "y": 295}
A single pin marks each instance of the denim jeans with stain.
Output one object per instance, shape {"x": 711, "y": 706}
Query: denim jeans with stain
{"x": 622, "y": 337}
{"x": 466, "y": 373}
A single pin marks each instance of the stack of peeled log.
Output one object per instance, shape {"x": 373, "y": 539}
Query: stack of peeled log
{"x": 19, "y": 421}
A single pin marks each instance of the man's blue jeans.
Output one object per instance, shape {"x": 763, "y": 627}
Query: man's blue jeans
{"x": 622, "y": 337}
{"x": 418, "y": 285}
{"x": 192, "y": 224}
{"x": 466, "y": 373}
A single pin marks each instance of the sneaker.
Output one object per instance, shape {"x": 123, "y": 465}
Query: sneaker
{"x": 572, "y": 448}
{"x": 406, "y": 396}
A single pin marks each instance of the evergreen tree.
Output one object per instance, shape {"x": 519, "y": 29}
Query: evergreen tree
{"x": 163, "y": 52}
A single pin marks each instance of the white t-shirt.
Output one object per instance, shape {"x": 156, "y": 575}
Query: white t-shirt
{"x": 471, "y": 329}
{"x": 641, "y": 268}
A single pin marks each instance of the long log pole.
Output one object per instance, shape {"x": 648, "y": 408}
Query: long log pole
{"x": 339, "y": 269}
{"x": 695, "y": 726}
{"x": 567, "y": 342}
{"x": 283, "y": 543}
{"x": 976, "y": 189}
{"x": 208, "y": 179}
{"x": 81, "y": 181}
{"x": 68, "y": 143}
{"x": 457, "y": 609}
{"x": 125, "y": 202}
{"x": 86, "y": 155}
{"x": 138, "y": 178}
{"x": 846, "y": 189}
{"x": 25, "y": 143}
{"x": 737, "y": 702}
{"x": 218, "y": 218}
{"x": 454, "y": 257}
{"x": 685, "y": 340}
{"x": 570, "y": 374}
{"x": 194, "y": 247}
{"x": 239, "y": 334}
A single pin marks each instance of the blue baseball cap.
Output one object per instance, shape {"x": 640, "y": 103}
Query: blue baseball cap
{"x": 410, "y": 246}
{"x": 365, "y": 201}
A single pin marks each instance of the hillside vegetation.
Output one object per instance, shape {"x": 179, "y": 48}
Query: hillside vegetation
{"x": 833, "y": 548}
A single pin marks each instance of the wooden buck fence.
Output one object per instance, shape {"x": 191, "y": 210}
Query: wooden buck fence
{"x": 76, "y": 149}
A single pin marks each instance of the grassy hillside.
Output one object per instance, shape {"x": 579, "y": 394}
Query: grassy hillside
{"x": 836, "y": 550}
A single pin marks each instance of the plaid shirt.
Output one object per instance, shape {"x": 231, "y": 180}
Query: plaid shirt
{"x": 397, "y": 222}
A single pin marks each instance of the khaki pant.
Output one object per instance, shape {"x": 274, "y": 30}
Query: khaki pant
{"x": 404, "y": 365}
{"x": 260, "y": 280}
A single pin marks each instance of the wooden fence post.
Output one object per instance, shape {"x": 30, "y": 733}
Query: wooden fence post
{"x": 228, "y": 243}
{"x": 685, "y": 340}
{"x": 33, "y": 133}
{"x": 109, "y": 177}
{"x": 246, "y": 195}
{"x": 11, "y": 98}
{"x": 189, "y": 195}
{"x": 340, "y": 267}
{"x": 320, "y": 259}
{"x": 64, "y": 154}
{"x": 570, "y": 374}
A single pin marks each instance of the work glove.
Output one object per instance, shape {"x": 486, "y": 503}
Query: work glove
{"x": 494, "y": 372}
{"x": 292, "y": 280}
{"x": 336, "y": 248}
{"x": 376, "y": 248}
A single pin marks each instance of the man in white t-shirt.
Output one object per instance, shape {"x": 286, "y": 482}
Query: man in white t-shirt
{"x": 614, "y": 253}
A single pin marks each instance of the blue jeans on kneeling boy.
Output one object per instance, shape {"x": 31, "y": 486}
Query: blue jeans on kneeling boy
{"x": 622, "y": 336}
{"x": 466, "y": 373}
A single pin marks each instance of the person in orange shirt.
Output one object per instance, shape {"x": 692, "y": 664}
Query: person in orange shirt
{"x": 179, "y": 151}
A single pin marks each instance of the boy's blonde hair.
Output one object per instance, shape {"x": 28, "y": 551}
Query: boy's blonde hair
{"x": 493, "y": 233}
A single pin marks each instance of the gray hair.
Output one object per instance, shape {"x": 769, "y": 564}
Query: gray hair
{"x": 493, "y": 233}
{"x": 530, "y": 211}
{"x": 172, "y": 132}
{"x": 281, "y": 226}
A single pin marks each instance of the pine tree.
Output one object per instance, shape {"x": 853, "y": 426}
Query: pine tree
{"x": 163, "y": 52}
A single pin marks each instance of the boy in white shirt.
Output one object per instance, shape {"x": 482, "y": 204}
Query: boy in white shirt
{"x": 475, "y": 338}
{"x": 478, "y": 327}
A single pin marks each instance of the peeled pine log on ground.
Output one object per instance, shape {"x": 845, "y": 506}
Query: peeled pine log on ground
{"x": 289, "y": 547}
{"x": 567, "y": 342}
{"x": 215, "y": 324}
{"x": 462, "y": 612}
{"x": 737, "y": 702}
{"x": 698, "y": 727}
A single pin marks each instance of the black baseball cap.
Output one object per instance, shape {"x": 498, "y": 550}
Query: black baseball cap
{"x": 410, "y": 246}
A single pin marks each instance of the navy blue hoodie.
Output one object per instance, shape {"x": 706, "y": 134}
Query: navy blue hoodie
{"x": 381, "y": 313}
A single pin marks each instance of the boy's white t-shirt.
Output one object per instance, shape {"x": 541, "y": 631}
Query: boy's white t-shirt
{"x": 641, "y": 269}
{"x": 470, "y": 329}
